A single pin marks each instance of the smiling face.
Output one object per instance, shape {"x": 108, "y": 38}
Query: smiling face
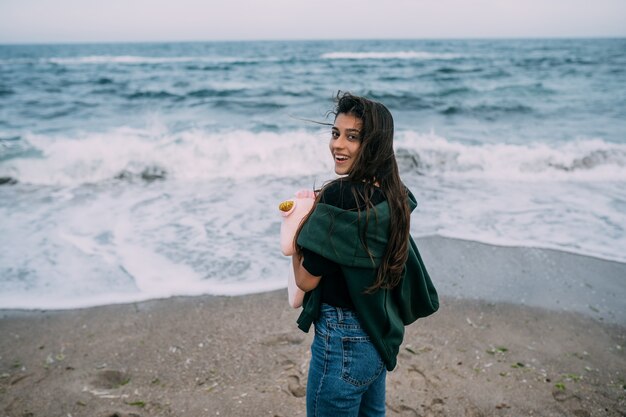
{"x": 345, "y": 142}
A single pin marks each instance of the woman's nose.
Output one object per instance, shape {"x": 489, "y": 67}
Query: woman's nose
{"x": 339, "y": 142}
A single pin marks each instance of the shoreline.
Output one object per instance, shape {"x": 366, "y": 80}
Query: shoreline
{"x": 552, "y": 279}
{"x": 466, "y": 269}
{"x": 531, "y": 346}
{"x": 244, "y": 356}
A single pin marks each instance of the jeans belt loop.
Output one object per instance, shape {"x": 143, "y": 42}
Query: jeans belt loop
{"x": 339, "y": 314}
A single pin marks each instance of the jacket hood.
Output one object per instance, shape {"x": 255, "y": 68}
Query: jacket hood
{"x": 336, "y": 234}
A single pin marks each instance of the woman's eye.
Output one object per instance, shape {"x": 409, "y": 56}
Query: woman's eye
{"x": 353, "y": 137}
{"x": 334, "y": 134}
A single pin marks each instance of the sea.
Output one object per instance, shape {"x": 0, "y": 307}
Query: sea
{"x": 136, "y": 171}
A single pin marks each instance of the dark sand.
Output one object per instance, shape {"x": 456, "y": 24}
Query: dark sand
{"x": 244, "y": 356}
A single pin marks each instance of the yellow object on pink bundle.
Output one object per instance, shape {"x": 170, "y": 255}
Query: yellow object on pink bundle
{"x": 293, "y": 212}
{"x": 286, "y": 205}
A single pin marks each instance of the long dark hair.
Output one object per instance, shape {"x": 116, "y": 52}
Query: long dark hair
{"x": 375, "y": 166}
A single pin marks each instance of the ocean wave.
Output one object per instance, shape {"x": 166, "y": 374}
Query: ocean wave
{"x": 213, "y": 92}
{"x": 104, "y": 81}
{"x": 453, "y": 70}
{"x": 134, "y": 60}
{"x": 487, "y": 111}
{"x": 6, "y": 91}
{"x": 419, "y": 55}
{"x": 580, "y": 160}
{"x": 128, "y": 154}
{"x": 154, "y": 95}
{"x": 404, "y": 100}
{"x": 453, "y": 91}
{"x": 258, "y": 106}
{"x": 149, "y": 155}
{"x": 530, "y": 90}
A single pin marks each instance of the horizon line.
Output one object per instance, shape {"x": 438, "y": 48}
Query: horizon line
{"x": 468, "y": 38}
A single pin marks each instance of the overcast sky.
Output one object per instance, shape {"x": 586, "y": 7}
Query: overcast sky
{"x": 179, "y": 20}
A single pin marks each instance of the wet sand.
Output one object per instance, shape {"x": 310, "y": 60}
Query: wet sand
{"x": 244, "y": 356}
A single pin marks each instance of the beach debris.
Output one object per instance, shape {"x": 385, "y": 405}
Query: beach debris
{"x": 139, "y": 403}
{"x": 573, "y": 377}
{"x": 175, "y": 349}
{"x": 498, "y": 349}
{"x": 501, "y": 406}
{"x": 560, "y": 386}
{"x": 518, "y": 365}
{"x": 49, "y": 360}
{"x": 104, "y": 393}
{"x": 211, "y": 387}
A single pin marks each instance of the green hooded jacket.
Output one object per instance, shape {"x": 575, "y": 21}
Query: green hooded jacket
{"x": 334, "y": 234}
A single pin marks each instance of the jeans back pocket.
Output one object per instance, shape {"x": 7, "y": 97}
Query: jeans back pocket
{"x": 361, "y": 362}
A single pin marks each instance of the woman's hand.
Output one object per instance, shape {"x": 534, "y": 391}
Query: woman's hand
{"x": 304, "y": 280}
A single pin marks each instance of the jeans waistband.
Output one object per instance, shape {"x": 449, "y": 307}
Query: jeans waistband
{"x": 337, "y": 313}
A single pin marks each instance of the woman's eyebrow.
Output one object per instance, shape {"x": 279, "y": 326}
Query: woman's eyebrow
{"x": 347, "y": 130}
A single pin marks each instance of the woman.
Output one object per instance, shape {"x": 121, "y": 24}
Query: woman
{"x": 361, "y": 271}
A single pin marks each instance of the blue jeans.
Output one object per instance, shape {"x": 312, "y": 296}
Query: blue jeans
{"x": 346, "y": 374}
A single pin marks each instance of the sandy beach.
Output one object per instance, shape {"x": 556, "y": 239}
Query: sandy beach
{"x": 244, "y": 356}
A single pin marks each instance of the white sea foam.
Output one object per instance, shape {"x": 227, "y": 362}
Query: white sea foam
{"x": 420, "y": 55}
{"x": 74, "y": 236}
{"x": 190, "y": 155}
{"x": 91, "y": 246}
{"x": 198, "y": 155}
{"x": 579, "y": 160}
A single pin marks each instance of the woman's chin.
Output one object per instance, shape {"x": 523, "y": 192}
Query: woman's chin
{"x": 342, "y": 170}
